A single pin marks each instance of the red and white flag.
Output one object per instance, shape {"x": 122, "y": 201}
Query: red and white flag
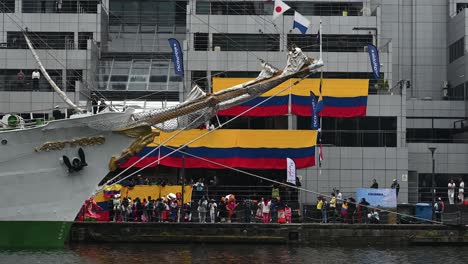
{"x": 280, "y": 8}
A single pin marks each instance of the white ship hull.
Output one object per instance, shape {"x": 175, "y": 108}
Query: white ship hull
{"x": 37, "y": 185}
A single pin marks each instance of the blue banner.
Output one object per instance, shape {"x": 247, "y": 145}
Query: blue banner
{"x": 374, "y": 59}
{"x": 315, "y": 121}
{"x": 380, "y": 198}
{"x": 177, "y": 57}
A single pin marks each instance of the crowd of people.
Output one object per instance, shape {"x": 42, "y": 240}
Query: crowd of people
{"x": 171, "y": 209}
{"x": 452, "y": 188}
{"x": 348, "y": 210}
{"x": 337, "y": 209}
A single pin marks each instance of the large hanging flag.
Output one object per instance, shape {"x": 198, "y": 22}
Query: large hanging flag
{"x": 290, "y": 171}
{"x": 237, "y": 148}
{"x": 319, "y": 106}
{"x": 177, "y": 56}
{"x": 374, "y": 60}
{"x": 340, "y": 98}
{"x": 280, "y": 8}
{"x": 300, "y": 22}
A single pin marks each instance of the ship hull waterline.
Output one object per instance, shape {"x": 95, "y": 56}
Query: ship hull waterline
{"x": 40, "y": 197}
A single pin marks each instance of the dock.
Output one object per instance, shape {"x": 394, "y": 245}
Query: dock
{"x": 301, "y": 233}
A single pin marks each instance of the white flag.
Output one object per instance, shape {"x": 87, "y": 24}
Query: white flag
{"x": 280, "y": 8}
{"x": 300, "y": 22}
{"x": 290, "y": 171}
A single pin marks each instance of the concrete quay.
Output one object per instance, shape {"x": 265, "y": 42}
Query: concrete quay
{"x": 304, "y": 233}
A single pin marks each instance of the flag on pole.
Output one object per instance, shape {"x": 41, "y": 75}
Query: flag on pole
{"x": 300, "y": 22}
{"x": 320, "y": 154}
{"x": 177, "y": 57}
{"x": 318, "y": 36}
{"x": 280, "y": 8}
{"x": 315, "y": 124}
{"x": 290, "y": 171}
{"x": 374, "y": 59}
{"x": 319, "y": 107}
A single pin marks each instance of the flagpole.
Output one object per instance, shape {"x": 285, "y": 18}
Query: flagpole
{"x": 321, "y": 79}
{"x": 320, "y": 33}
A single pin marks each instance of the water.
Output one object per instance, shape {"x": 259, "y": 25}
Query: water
{"x": 227, "y": 253}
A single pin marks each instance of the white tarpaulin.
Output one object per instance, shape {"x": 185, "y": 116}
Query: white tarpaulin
{"x": 382, "y": 198}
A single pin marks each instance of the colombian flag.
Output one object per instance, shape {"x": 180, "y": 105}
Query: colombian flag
{"x": 238, "y": 148}
{"x": 340, "y": 98}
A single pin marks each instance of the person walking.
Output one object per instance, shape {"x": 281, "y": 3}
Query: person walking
{"x": 451, "y": 192}
{"x": 35, "y": 78}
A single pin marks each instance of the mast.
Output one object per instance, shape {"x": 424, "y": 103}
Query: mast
{"x": 320, "y": 38}
{"x": 46, "y": 75}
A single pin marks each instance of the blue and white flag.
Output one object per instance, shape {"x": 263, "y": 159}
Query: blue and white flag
{"x": 177, "y": 56}
{"x": 300, "y": 22}
{"x": 374, "y": 60}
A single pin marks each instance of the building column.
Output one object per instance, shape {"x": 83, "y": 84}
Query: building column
{"x": 18, "y": 4}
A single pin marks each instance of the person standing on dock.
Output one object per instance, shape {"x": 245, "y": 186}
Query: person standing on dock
{"x": 451, "y": 192}
{"x": 363, "y": 206}
{"x": 461, "y": 191}
{"x": 439, "y": 209}
{"x": 333, "y": 207}
{"x": 265, "y": 207}
{"x": 396, "y": 186}
{"x": 339, "y": 199}
{"x": 374, "y": 185}
{"x": 202, "y": 209}
{"x": 213, "y": 206}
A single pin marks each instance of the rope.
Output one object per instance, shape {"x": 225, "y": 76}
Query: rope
{"x": 207, "y": 133}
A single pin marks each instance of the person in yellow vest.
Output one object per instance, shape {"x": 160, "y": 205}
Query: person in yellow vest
{"x": 275, "y": 193}
{"x": 320, "y": 207}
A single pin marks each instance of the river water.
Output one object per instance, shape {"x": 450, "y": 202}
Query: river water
{"x": 228, "y": 253}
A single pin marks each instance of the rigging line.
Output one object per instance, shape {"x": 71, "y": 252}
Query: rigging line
{"x": 194, "y": 14}
{"x": 47, "y": 50}
{"x": 193, "y": 82}
{"x": 253, "y": 16}
{"x": 211, "y": 131}
{"x": 295, "y": 187}
{"x": 44, "y": 42}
